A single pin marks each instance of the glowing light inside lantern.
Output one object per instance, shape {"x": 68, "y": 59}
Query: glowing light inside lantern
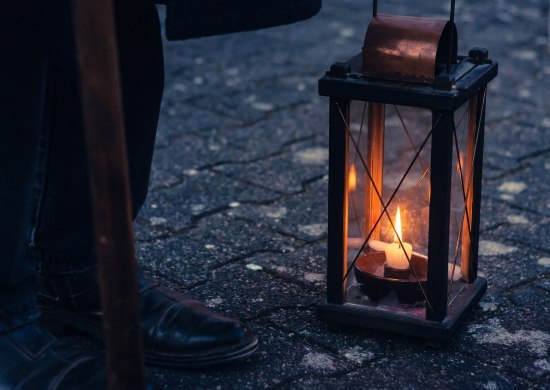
{"x": 352, "y": 178}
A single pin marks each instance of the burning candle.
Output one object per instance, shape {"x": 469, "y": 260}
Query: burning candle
{"x": 395, "y": 255}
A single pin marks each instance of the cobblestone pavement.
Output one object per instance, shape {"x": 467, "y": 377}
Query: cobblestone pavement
{"x": 237, "y": 213}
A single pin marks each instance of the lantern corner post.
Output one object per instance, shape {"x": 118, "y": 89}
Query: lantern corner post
{"x": 440, "y": 205}
{"x": 337, "y": 199}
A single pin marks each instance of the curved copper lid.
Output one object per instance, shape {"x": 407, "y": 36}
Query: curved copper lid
{"x": 406, "y": 48}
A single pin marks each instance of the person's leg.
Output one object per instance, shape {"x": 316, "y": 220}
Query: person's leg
{"x": 22, "y": 90}
{"x": 30, "y": 357}
{"x": 177, "y": 331}
{"x": 64, "y": 233}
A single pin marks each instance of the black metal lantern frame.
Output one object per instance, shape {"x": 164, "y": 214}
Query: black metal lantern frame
{"x": 405, "y": 166}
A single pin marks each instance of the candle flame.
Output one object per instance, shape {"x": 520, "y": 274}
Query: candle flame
{"x": 397, "y": 226}
{"x": 352, "y": 178}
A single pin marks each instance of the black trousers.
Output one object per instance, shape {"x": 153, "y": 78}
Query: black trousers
{"x": 44, "y": 190}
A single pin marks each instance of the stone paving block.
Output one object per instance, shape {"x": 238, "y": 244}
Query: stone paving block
{"x": 309, "y": 33}
{"x": 243, "y": 143}
{"x": 513, "y": 225}
{"x": 189, "y": 154}
{"x": 285, "y": 173}
{"x": 527, "y": 188}
{"x": 246, "y": 291}
{"x": 215, "y": 66}
{"x": 173, "y": 263}
{"x": 533, "y": 298}
{"x": 200, "y": 193}
{"x": 508, "y": 25}
{"x": 505, "y": 264}
{"x": 494, "y": 301}
{"x": 180, "y": 118}
{"x": 257, "y": 101}
{"x": 358, "y": 346}
{"x": 503, "y": 41}
{"x": 513, "y": 340}
{"x": 279, "y": 359}
{"x": 514, "y": 140}
{"x": 302, "y": 216}
{"x": 412, "y": 368}
{"x": 273, "y": 134}
{"x": 543, "y": 284}
{"x": 511, "y": 323}
{"x": 186, "y": 157}
{"x": 513, "y": 104}
{"x": 495, "y": 212}
{"x": 187, "y": 149}
{"x": 189, "y": 258}
{"x": 305, "y": 266}
{"x": 532, "y": 232}
{"x": 204, "y": 66}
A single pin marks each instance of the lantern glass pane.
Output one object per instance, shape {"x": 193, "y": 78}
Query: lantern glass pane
{"x": 464, "y": 147}
{"x": 388, "y": 169}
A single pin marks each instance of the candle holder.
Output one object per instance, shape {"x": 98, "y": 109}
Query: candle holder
{"x": 406, "y": 136}
{"x": 376, "y": 282}
{"x": 397, "y": 273}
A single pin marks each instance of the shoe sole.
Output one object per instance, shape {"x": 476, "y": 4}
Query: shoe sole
{"x": 238, "y": 352}
{"x": 59, "y": 321}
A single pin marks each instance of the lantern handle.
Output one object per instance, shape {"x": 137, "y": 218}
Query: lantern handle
{"x": 375, "y": 9}
{"x": 452, "y": 18}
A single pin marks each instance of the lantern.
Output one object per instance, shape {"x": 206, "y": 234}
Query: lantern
{"x": 406, "y": 151}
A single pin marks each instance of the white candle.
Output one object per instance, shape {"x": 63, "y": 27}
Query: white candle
{"x": 397, "y": 256}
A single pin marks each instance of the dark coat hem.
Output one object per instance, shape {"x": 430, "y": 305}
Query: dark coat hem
{"x": 195, "y": 19}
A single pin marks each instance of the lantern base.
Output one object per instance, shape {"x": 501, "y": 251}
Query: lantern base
{"x": 411, "y": 325}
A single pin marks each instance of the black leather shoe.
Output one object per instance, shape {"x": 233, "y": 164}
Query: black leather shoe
{"x": 177, "y": 331}
{"x": 31, "y": 358}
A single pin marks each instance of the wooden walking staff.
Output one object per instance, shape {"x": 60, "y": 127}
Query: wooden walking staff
{"x": 106, "y": 146}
